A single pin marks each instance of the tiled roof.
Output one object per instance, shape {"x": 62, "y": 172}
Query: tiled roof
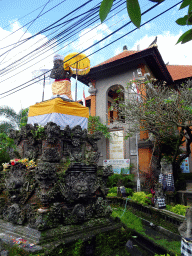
{"x": 117, "y": 57}
{"x": 177, "y": 72}
{"x": 180, "y": 71}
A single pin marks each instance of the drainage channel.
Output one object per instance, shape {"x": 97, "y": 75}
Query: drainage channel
{"x": 140, "y": 245}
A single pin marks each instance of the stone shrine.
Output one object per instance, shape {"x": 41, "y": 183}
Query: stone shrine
{"x": 62, "y": 195}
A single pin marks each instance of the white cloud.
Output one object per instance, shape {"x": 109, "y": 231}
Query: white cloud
{"x": 179, "y": 54}
{"x": 118, "y": 50}
{"x": 90, "y": 36}
{"x": 33, "y": 93}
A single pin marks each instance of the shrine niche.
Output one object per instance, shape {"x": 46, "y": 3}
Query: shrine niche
{"x": 114, "y": 92}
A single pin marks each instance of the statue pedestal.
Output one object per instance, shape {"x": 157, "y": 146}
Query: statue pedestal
{"x": 34, "y": 241}
{"x": 60, "y": 111}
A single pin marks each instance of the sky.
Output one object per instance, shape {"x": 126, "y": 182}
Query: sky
{"x": 21, "y": 63}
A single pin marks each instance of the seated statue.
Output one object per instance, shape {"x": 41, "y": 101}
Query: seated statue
{"x": 186, "y": 227}
{"x": 62, "y": 84}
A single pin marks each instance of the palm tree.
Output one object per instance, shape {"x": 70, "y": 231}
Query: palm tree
{"x": 12, "y": 119}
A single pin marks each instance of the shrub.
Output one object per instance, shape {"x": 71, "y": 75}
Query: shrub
{"x": 178, "y": 209}
{"x": 129, "y": 191}
{"x": 125, "y": 180}
{"x": 142, "y": 198}
{"x": 112, "y": 194}
{"x": 113, "y": 191}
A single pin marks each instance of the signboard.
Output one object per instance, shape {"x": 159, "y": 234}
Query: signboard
{"x": 118, "y": 165}
{"x": 116, "y": 149}
{"x": 185, "y": 165}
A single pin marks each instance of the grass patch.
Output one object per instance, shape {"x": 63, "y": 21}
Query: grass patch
{"x": 129, "y": 219}
{"x": 132, "y": 221}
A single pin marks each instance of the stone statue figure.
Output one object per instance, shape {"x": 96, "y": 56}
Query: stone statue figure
{"x": 62, "y": 84}
{"x": 166, "y": 167}
{"x": 186, "y": 227}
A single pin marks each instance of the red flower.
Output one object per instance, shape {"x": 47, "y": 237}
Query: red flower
{"x": 12, "y": 163}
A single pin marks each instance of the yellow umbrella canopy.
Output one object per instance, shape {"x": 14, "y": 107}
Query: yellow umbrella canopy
{"x": 79, "y": 64}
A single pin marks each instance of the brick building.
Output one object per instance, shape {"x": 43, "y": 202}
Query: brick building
{"x": 105, "y": 78}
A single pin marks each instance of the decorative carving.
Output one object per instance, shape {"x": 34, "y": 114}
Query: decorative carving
{"x": 52, "y": 132}
{"x": 54, "y": 193}
{"x": 45, "y": 174}
{"x": 51, "y": 155}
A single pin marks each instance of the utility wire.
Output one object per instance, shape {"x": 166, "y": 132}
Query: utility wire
{"x": 36, "y": 51}
{"x": 23, "y": 17}
{"x": 48, "y": 45}
{"x": 70, "y": 43}
{"x": 75, "y": 24}
{"x": 31, "y": 20}
{"x": 27, "y": 29}
{"x": 111, "y": 42}
{"x": 40, "y": 32}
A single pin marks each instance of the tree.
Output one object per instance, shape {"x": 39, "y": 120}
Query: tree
{"x": 5, "y": 144}
{"x": 12, "y": 119}
{"x": 166, "y": 113}
{"x": 95, "y": 126}
{"x": 134, "y": 12}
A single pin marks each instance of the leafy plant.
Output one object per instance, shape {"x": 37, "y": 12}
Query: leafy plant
{"x": 114, "y": 179}
{"x": 129, "y": 219}
{"x": 94, "y": 125}
{"x": 12, "y": 119}
{"x": 178, "y": 209}
{"x": 112, "y": 194}
{"x": 38, "y": 133}
{"x": 134, "y": 12}
{"x": 142, "y": 198}
{"x": 5, "y": 144}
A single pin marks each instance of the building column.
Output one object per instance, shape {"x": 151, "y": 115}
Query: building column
{"x": 92, "y": 90}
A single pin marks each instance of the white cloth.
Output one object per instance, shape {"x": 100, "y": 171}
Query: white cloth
{"x": 186, "y": 247}
{"x": 62, "y": 96}
{"x": 60, "y": 119}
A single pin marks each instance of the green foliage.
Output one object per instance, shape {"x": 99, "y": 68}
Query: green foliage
{"x": 23, "y": 117}
{"x": 108, "y": 242}
{"x": 5, "y": 144}
{"x": 178, "y": 209}
{"x": 39, "y": 132}
{"x": 132, "y": 221}
{"x": 78, "y": 246}
{"x": 129, "y": 219}
{"x": 113, "y": 192}
{"x": 163, "y": 254}
{"x": 134, "y": 12}
{"x": 186, "y": 20}
{"x": 94, "y": 125}
{"x": 142, "y": 198}
{"x": 105, "y": 9}
{"x": 13, "y": 120}
{"x": 129, "y": 191}
{"x": 114, "y": 179}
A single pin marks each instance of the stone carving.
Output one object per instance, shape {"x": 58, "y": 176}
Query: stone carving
{"x": 65, "y": 187}
{"x": 52, "y": 132}
{"x": 185, "y": 228}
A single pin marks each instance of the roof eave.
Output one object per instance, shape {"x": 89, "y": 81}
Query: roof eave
{"x": 151, "y": 56}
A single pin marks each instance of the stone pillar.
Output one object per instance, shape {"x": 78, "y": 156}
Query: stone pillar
{"x": 92, "y": 90}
